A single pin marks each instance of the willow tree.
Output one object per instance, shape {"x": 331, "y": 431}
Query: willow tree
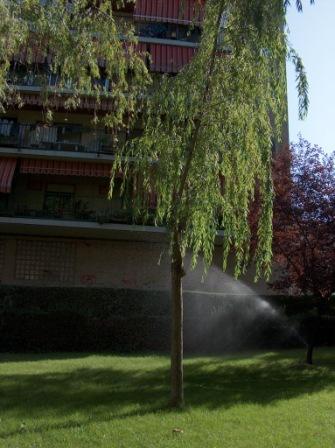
{"x": 208, "y": 132}
{"x": 207, "y": 145}
{"x": 11, "y": 36}
{"x": 77, "y": 40}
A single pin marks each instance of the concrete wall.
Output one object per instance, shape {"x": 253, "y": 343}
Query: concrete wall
{"x": 109, "y": 263}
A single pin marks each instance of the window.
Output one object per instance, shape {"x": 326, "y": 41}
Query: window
{"x": 158, "y": 30}
{"x": 42, "y": 134}
{"x": 35, "y": 184}
{"x": 134, "y": 133}
{"x": 6, "y": 126}
{"x": 101, "y": 83}
{"x": 3, "y": 203}
{"x": 104, "y": 190}
{"x": 169, "y": 31}
{"x": 58, "y": 201}
{"x": 45, "y": 260}
{"x": 69, "y": 133}
{"x": 9, "y": 131}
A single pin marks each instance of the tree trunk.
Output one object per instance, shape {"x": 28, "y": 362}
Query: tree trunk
{"x": 309, "y": 354}
{"x": 177, "y": 273}
{"x": 313, "y": 335}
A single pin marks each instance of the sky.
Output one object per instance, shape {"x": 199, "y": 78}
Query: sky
{"x": 312, "y": 35}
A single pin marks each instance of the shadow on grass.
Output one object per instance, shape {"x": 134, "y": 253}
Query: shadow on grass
{"x": 83, "y": 396}
{"x": 36, "y": 357}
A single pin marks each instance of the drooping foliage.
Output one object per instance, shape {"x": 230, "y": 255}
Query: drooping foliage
{"x": 299, "y": 4}
{"x": 209, "y": 133}
{"x": 12, "y": 36}
{"x": 304, "y": 220}
{"x": 77, "y": 40}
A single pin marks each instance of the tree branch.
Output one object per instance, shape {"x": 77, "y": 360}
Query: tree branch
{"x": 205, "y": 100}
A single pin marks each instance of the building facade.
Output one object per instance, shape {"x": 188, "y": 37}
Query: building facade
{"x": 57, "y": 226}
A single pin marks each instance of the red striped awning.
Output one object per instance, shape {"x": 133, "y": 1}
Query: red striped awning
{"x": 65, "y": 168}
{"x": 165, "y": 58}
{"x": 174, "y": 11}
{"x": 7, "y": 169}
{"x": 169, "y": 58}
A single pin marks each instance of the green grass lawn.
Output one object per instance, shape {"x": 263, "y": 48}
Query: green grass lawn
{"x": 252, "y": 400}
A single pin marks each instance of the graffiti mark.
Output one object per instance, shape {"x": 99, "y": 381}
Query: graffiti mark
{"x": 130, "y": 282}
{"x": 88, "y": 279}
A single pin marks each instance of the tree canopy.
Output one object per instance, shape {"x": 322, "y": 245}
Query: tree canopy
{"x": 209, "y": 132}
{"x": 304, "y": 232}
{"x": 304, "y": 220}
{"x": 76, "y": 39}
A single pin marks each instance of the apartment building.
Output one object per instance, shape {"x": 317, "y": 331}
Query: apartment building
{"x": 57, "y": 227}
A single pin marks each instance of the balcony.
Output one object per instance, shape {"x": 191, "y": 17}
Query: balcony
{"x": 38, "y": 77}
{"x": 78, "y": 213}
{"x": 101, "y": 225}
{"x": 71, "y": 138}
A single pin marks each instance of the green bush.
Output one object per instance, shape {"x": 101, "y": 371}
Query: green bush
{"x": 97, "y": 319}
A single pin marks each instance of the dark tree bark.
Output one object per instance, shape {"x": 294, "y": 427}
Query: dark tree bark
{"x": 313, "y": 331}
{"x": 177, "y": 273}
{"x": 309, "y": 329}
{"x": 309, "y": 354}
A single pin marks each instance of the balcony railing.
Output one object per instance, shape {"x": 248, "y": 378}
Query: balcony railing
{"x": 43, "y": 79}
{"x": 56, "y": 138}
{"x": 73, "y": 214}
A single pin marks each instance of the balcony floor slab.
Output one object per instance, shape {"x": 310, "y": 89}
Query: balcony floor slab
{"x": 81, "y": 229}
{"x": 55, "y": 154}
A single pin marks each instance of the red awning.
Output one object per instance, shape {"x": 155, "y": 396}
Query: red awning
{"x": 175, "y": 11}
{"x": 169, "y": 58}
{"x": 43, "y": 166}
{"x": 7, "y": 169}
{"x": 165, "y": 58}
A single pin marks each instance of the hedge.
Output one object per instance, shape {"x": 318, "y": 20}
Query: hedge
{"x": 92, "y": 319}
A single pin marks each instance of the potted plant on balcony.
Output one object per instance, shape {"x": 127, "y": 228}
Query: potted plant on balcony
{"x": 82, "y": 211}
